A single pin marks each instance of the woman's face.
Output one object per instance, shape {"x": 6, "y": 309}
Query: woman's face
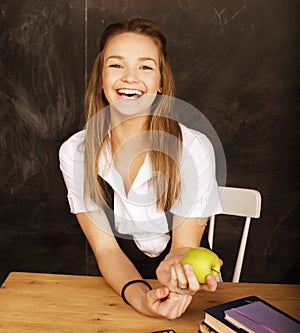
{"x": 131, "y": 72}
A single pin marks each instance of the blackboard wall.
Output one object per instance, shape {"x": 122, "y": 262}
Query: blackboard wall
{"x": 236, "y": 61}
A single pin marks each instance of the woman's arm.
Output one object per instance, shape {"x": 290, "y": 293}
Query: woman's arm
{"x": 186, "y": 234}
{"x": 117, "y": 270}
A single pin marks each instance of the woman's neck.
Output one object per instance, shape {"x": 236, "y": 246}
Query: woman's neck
{"x": 131, "y": 127}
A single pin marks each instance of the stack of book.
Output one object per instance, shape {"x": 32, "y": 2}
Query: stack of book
{"x": 249, "y": 314}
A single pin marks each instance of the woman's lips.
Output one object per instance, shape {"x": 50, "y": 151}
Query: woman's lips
{"x": 130, "y": 93}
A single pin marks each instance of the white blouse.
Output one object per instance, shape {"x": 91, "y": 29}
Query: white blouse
{"x": 136, "y": 214}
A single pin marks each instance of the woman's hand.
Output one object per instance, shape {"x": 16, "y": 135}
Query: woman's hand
{"x": 180, "y": 278}
{"x": 161, "y": 302}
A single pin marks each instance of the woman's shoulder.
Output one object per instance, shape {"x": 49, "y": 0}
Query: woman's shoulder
{"x": 72, "y": 146}
{"x": 193, "y": 137}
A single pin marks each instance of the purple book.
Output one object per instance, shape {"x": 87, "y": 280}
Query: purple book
{"x": 259, "y": 317}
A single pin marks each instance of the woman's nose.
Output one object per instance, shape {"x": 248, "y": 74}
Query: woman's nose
{"x": 130, "y": 75}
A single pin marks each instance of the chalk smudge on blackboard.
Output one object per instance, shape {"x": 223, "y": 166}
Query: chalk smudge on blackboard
{"x": 38, "y": 101}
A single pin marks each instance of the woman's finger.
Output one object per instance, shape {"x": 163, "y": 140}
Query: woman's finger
{"x": 173, "y": 279}
{"x": 182, "y": 282}
{"x": 211, "y": 284}
{"x": 175, "y": 305}
{"x": 193, "y": 284}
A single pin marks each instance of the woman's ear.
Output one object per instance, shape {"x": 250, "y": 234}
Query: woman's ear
{"x": 160, "y": 90}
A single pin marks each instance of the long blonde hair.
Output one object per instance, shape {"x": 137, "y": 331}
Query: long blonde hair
{"x": 164, "y": 155}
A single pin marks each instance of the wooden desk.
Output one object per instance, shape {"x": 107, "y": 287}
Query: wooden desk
{"x": 69, "y": 304}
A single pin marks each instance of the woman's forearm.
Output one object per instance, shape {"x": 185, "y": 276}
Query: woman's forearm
{"x": 113, "y": 264}
{"x": 117, "y": 270}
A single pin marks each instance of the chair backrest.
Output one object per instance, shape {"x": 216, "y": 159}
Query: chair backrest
{"x": 239, "y": 202}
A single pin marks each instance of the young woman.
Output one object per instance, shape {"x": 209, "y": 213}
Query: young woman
{"x": 140, "y": 183}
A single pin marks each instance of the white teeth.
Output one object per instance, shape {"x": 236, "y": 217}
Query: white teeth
{"x": 130, "y": 92}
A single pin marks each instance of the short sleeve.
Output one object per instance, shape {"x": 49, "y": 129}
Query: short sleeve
{"x": 199, "y": 189}
{"x": 71, "y": 158}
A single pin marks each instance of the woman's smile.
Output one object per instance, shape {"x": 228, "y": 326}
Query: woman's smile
{"x": 130, "y": 93}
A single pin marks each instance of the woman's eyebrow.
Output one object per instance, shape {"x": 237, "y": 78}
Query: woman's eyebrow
{"x": 122, "y": 58}
{"x": 115, "y": 57}
{"x": 147, "y": 58}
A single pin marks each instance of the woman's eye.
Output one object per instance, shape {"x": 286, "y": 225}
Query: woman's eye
{"x": 115, "y": 66}
{"x": 146, "y": 68}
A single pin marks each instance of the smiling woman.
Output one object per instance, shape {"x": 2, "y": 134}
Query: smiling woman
{"x": 130, "y": 73}
{"x": 133, "y": 167}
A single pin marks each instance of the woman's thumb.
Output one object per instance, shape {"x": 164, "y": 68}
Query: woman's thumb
{"x": 159, "y": 293}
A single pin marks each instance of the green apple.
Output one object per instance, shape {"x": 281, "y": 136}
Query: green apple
{"x": 203, "y": 262}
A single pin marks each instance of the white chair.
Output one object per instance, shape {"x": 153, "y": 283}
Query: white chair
{"x": 239, "y": 202}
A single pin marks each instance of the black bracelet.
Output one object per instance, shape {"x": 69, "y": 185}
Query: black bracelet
{"x": 130, "y": 283}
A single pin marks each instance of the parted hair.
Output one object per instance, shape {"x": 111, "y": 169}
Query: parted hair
{"x": 164, "y": 131}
